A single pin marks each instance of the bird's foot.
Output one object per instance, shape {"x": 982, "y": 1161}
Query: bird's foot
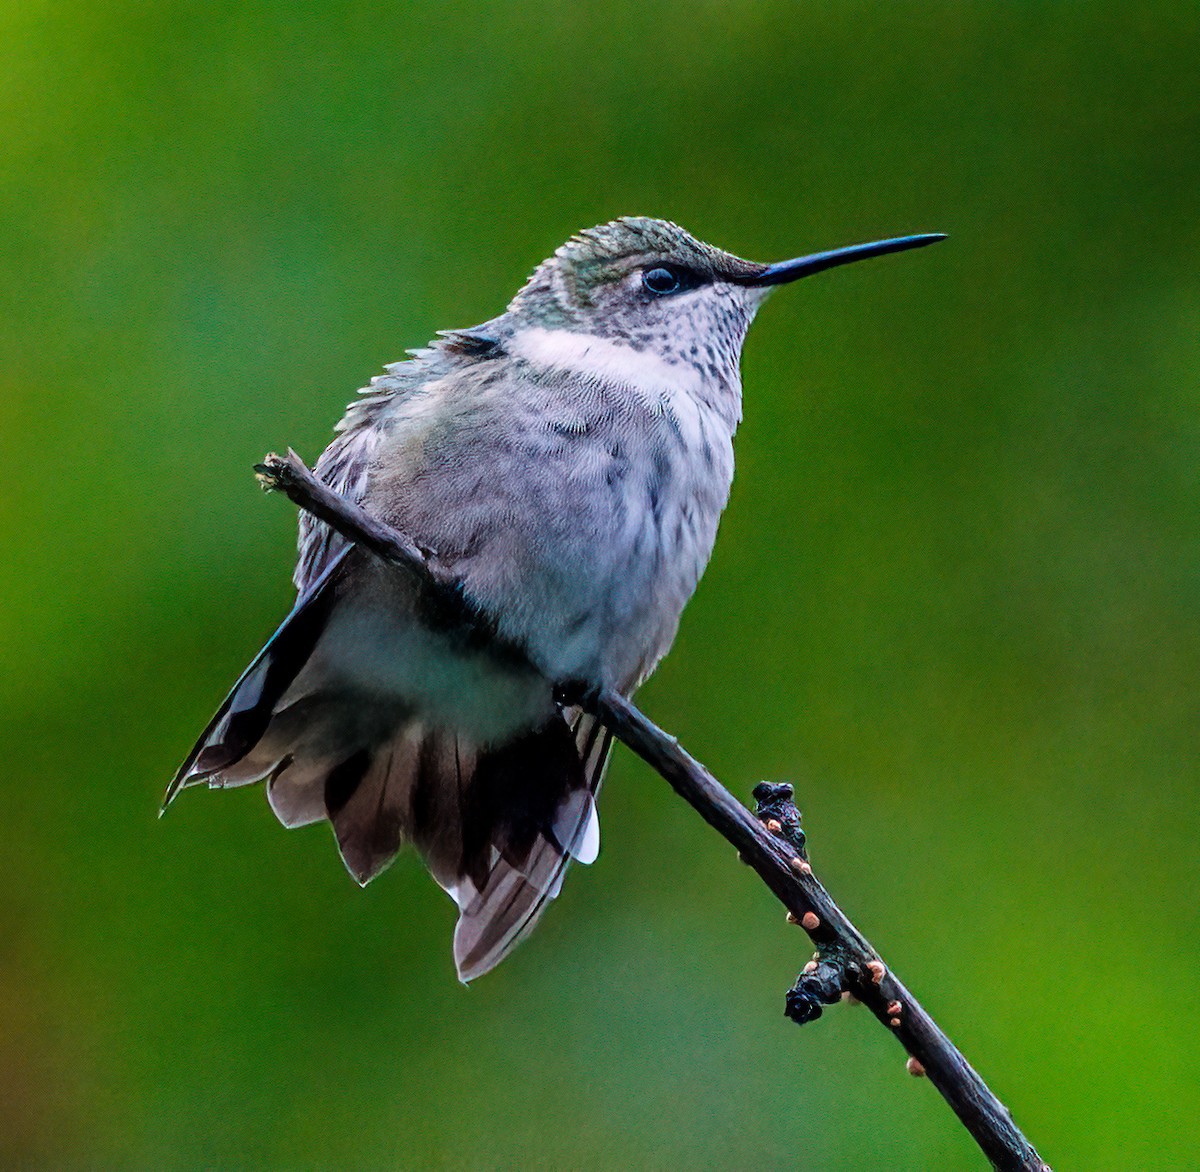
{"x": 571, "y": 693}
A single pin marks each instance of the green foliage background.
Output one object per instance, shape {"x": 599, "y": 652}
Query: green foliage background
{"x": 956, "y": 596}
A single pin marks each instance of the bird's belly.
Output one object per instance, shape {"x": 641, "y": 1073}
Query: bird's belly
{"x": 376, "y": 647}
{"x": 602, "y": 598}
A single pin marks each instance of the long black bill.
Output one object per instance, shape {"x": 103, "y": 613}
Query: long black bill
{"x": 818, "y": 262}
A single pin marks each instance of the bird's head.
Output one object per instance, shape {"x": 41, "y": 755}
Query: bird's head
{"x": 649, "y": 287}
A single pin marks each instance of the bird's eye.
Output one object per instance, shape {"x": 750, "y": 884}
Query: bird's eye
{"x": 661, "y": 281}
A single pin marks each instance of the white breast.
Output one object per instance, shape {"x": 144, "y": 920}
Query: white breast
{"x": 642, "y": 573}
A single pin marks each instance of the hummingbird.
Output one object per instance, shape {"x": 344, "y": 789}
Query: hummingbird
{"x": 568, "y": 461}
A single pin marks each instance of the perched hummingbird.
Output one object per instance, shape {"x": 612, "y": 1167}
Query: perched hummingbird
{"x": 569, "y": 461}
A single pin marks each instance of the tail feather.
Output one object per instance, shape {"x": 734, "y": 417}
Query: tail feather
{"x": 512, "y": 901}
{"x": 576, "y": 828}
{"x": 368, "y": 802}
{"x": 296, "y": 791}
{"x": 501, "y": 913}
{"x": 498, "y": 825}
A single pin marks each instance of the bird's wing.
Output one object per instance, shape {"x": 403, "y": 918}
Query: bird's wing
{"x": 343, "y": 466}
{"x": 246, "y": 711}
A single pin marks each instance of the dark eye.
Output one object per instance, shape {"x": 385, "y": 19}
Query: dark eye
{"x": 660, "y": 281}
{"x": 664, "y": 279}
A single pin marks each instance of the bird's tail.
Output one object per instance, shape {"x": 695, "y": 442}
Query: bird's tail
{"x": 497, "y": 825}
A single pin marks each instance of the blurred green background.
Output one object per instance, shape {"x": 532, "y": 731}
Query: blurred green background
{"x": 956, "y": 596}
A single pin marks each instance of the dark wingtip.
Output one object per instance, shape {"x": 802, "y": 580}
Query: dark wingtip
{"x": 178, "y": 784}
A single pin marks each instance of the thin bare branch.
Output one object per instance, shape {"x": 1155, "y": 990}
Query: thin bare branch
{"x": 771, "y": 843}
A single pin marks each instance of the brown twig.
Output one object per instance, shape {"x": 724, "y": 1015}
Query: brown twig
{"x": 848, "y": 963}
